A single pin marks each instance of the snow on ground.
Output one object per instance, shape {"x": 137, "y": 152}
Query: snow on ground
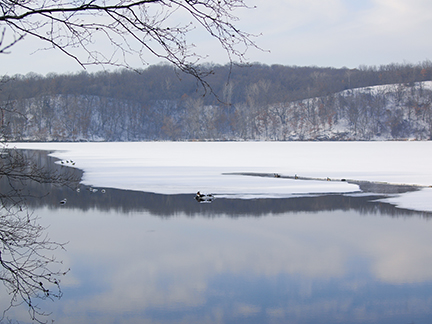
{"x": 426, "y": 85}
{"x": 186, "y": 167}
{"x": 416, "y": 200}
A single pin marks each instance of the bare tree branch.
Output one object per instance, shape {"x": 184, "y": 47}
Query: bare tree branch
{"x": 129, "y": 28}
{"x": 28, "y": 269}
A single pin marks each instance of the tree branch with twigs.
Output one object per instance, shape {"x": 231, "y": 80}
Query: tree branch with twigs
{"x": 28, "y": 268}
{"x": 128, "y": 28}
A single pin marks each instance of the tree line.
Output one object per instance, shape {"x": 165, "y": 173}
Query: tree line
{"x": 247, "y": 102}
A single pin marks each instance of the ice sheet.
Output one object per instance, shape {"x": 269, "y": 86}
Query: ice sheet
{"x": 186, "y": 167}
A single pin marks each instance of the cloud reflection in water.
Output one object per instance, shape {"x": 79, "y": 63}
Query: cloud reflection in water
{"x": 331, "y": 265}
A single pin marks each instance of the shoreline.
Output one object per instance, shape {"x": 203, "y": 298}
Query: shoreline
{"x": 377, "y": 187}
{"x": 399, "y": 169}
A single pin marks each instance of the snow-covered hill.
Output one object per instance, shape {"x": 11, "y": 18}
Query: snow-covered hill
{"x": 384, "y": 112}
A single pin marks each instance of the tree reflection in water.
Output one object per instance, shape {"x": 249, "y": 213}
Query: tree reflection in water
{"x": 27, "y": 270}
{"x": 125, "y": 201}
{"x": 162, "y": 206}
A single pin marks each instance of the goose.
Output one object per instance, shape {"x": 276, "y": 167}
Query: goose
{"x": 203, "y": 197}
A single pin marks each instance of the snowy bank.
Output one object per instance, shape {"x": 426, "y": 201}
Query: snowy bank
{"x": 186, "y": 167}
{"x": 417, "y": 200}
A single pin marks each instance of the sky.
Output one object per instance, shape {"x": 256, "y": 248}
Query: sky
{"x": 326, "y": 33}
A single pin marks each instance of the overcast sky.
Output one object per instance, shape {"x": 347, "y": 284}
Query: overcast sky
{"x": 332, "y": 33}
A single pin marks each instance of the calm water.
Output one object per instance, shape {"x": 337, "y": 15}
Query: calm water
{"x": 145, "y": 258}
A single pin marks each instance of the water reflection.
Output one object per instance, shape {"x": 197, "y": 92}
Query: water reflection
{"x": 308, "y": 267}
{"x": 145, "y": 258}
{"x": 106, "y": 199}
{"x": 171, "y": 205}
{"x": 28, "y": 270}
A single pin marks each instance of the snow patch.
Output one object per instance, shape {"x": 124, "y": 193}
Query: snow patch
{"x": 188, "y": 167}
{"x": 417, "y": 200}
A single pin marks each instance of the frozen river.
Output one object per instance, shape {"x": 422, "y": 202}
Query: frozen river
{"x": 186, "y": 167}
{"x": 155, "y": 255}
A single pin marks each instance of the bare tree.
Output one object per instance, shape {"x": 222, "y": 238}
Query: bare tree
{"x": 28, "y": 270}
{"x": 125, "y": 28}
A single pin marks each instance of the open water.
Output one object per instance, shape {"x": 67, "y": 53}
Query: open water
{"x": 145, "y": 258}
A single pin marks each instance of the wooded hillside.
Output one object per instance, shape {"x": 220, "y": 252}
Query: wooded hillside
{"x": 256, "y": 102}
